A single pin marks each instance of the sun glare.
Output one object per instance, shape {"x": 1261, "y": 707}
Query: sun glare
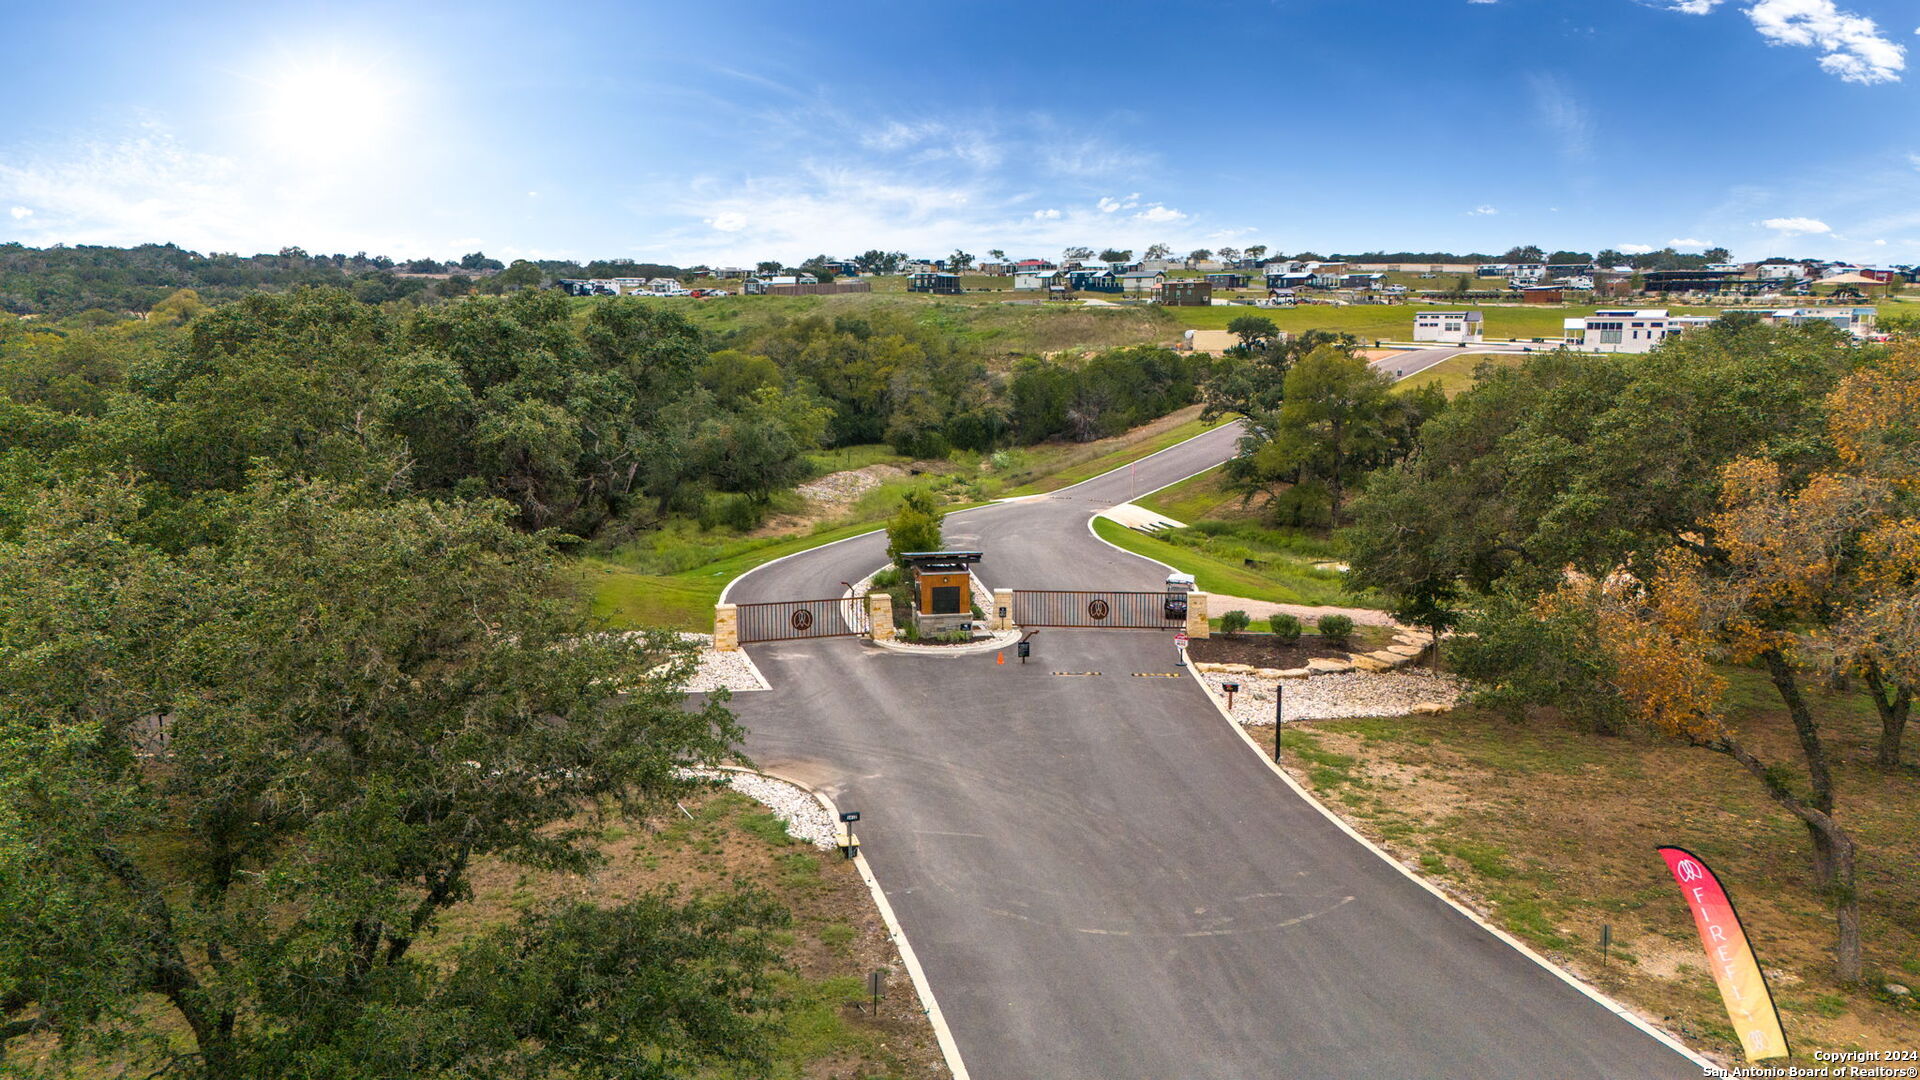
{"x": 325, "y": 109}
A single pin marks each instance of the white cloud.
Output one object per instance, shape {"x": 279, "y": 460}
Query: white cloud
{"x": 1796, "y": 226}
{"x": 1688, "y": 242}
{"x": 728, "y": 222}
{"x": 1851, "y": 44}
{"x": 1049, "y": 214}
{"x": 1914, "y": 159}
{"x": 1158, "y": 213}
{"x": 1635, "y": 249}
{"x": 1108, "y": 205}
{"x": 1694, "y": 7}
{"x": 1565, "y": 118}
{"x": 1483, "y": 211}
{"x": 20, "y": 213}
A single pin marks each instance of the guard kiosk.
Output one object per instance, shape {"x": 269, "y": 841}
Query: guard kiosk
{"x": 942, "y": 589}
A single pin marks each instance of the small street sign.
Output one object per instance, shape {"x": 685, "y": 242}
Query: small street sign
{"x": 850, "y": 815}
{"x": 1180, "y": 640}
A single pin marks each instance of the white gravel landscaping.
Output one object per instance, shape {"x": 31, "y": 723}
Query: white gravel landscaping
{"x": 807, "y": 821}
{"x": 722, "y": 670}
{"x": 1333, "y": 697}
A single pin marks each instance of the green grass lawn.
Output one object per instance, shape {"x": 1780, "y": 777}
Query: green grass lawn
{"x": 1217, "y": 554}
{"x": 1455, "y": 375}
{"x": 1198, "y": 498}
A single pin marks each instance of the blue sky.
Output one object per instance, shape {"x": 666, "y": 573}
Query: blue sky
{"x": 736, "y": 132}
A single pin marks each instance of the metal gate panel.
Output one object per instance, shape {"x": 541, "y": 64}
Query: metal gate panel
{"x": 1100, "y": 610}
{"x": 789, "y": 620}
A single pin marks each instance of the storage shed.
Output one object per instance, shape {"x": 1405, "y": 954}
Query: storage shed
{"x": 1185, "y": 292}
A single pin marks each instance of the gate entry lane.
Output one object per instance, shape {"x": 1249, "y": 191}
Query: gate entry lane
{"x": 1103, "y": 882}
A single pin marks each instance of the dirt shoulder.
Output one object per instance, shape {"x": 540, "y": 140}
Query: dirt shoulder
{"x": 1549, "y": 830}
{"x": 836, "y": 939}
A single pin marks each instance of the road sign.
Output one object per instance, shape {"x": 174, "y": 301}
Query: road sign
{"x": 850, "y": 815}
{"x": 1180, "y": 640}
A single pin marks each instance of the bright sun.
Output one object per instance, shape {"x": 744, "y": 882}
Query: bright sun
{"x": 325, "y": 109}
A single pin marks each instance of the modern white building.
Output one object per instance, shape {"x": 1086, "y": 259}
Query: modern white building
{"x": 1858, "y": 321}
{"x": 1451, "y": 327}
{"x": 1628, "y": 330}
{"x": 1036, "y": 279}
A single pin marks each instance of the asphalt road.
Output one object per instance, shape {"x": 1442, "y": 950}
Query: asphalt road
{"x": 1103, "y": 882}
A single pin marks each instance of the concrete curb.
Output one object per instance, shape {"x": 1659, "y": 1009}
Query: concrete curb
{"x": 949, "y": 1049}
{"x": 998, "y": 641}
{"x": 1512, "y": 942}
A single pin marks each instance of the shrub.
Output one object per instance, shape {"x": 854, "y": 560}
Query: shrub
{"x": 886, "y": 579}
{"x": 1286, "y": 628}
{"x": 739, "y": 512}
{"x": 1336, "y": 629}
{"x": 1233, "y": 622}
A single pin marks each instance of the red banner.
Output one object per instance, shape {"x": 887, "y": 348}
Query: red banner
{"x": 1742, "y": 986}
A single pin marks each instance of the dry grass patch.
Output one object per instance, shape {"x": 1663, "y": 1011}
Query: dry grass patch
{"x": 1549, "y": 831}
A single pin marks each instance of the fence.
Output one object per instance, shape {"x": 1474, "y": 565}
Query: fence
{"x": 792, "y": 619}
{"x": 1112, "y": 610}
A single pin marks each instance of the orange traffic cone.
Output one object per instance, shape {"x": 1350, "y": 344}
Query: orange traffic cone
{"x": 1003, "y": 660}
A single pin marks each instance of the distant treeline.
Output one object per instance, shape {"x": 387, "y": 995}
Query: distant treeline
{"x": 60, "y": 280}
{"x": 616, "y": 412}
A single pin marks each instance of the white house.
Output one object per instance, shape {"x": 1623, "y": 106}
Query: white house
{"x": 1527, "y": 273}
{"x": 1035, "y": 279}
{"x": 1628, "y": 331}
{"x": 1141, "y": 281}
{"x": 1452, "y": 327}
{"x": 1858, "y": 321}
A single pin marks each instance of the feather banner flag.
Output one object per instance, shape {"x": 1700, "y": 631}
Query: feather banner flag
{"x": 1742, "y": 986}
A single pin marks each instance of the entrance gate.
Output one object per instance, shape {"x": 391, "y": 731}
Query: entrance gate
{"x": 788, "y": 620}
{"x": 1105, "y": 610}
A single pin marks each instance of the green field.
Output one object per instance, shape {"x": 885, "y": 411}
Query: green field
{"x": 1394, "y": 322}
{"x": 1218, "y": 555}
{"x": 999, "y": 324}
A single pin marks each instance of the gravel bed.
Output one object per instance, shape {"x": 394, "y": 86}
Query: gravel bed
{"x": 1332, "y": 697}
{"x": 722, "y": 670}
{"x": 807, "y": 821}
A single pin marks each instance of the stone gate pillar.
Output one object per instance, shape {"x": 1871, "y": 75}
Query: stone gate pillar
{"x": 726, "y": 628}
{"x": 1197, "y": 616}
{"x": 1002, "y": 613}
{"x": 880, "y": 615}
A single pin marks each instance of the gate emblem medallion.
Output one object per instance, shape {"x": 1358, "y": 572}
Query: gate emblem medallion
{"x": 802, "y": 620}
{"x": 1097, "y": 610}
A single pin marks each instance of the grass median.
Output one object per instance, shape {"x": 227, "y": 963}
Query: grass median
{"x": 1241, "y": 559}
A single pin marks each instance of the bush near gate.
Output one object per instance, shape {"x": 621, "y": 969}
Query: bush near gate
{"x": 1286, "y": 628}
{"x": 1233, "y": 622}
{"x": 1336, "y": 629}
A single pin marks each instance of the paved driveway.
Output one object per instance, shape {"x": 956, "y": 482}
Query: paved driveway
{"x": 1102, "y": 881}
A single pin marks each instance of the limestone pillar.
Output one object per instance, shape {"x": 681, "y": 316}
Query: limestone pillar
{"x": 880, "y": 615}
{"x": 1002, "y": 610}
{"x": 1197, "y": 616}
{"x": 726, "y": 628}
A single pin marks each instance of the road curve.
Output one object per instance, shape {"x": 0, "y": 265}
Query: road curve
{"x": 1101, "y": 880}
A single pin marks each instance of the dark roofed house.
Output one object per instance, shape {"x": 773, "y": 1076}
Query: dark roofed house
{"x": 928, "y": 282}
{"x": 1185, "y": 292}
